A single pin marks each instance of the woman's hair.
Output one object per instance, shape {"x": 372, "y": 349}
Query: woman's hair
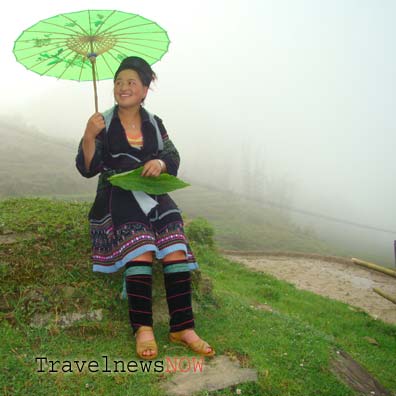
{"x": 142, "y": 68}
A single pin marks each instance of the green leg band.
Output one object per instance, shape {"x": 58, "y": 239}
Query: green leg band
{"x": 136, "y": 270}
{"x": 182, "y": 267}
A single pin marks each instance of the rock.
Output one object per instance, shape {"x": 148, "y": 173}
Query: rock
{"x": 371, "y": 341}
{"x": 95, "y": 315}
{"x": 69, "y": 319}
{"x": 264, "y": 307}
{"x": 40, "y": 320}
{"x": 9, "y": 237}
{"x": 66, "y": 320}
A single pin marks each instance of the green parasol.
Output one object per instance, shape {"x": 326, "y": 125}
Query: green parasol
{"x": 89, "y": 45}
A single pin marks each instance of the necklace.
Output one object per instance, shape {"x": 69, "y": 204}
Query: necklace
{"x": 135, "y": 124}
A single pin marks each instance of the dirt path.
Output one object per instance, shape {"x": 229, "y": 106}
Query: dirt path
{"x": 331, "y": 277}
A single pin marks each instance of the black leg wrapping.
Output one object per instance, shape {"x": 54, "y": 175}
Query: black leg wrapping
{"x": 178, "y": 294}
{"x": 139, "y": 293}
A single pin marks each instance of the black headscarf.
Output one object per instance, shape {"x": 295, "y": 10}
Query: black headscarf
{"x": 141, "y": 67}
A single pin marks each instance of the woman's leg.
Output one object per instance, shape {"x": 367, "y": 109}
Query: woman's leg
{"x": 139, "y": 293}
{"x": 177, "y": 277}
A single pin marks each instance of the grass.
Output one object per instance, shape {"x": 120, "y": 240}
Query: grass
{"x": 49, "y": 271}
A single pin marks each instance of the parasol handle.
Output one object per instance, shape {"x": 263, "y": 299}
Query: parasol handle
{"x": 92, "y": 58}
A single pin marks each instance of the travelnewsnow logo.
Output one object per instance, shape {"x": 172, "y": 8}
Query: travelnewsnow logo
{"x": 182, "y": 364}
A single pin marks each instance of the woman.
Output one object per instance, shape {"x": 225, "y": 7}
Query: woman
{"x": 128, "y": 227}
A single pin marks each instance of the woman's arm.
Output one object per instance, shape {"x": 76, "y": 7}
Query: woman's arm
{"x": 89, "y": 158}
{"x": 89, "y": 148}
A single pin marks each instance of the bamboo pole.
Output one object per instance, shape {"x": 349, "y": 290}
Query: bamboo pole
{"x": 387, "y": 296}
{"x": 93, "y": 60}
{"x": 375, "y": 267}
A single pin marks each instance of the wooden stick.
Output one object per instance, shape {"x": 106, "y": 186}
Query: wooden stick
{"x": 375, "y": 267}
{"x": 93, "y": 59}
{"x": 387, "y": 296}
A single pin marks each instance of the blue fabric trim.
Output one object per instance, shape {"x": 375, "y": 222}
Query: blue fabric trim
{"x": 145, "y": 202}
{"x": 193, "y": 266}
{"x": 107, "y": 116}
{"x": 121, "y": 263}
{"x": 159, "y": 136}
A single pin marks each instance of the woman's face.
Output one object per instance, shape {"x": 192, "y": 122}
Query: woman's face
{"x": 128, "y": 89}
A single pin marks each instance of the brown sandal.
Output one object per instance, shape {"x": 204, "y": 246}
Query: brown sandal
{"x": 146, "y": 345}
{"x": 198, "y": 346}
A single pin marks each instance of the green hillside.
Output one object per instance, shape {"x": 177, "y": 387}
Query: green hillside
{"x": 33, "y": 163}
{"x": 45, "y": 270}
{"x": 243, "y": 224}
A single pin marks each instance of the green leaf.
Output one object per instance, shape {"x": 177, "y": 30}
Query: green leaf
{"x": 39, "y": 42}
{"x": 134, "y": 181}
{"x": 54, "y": 62}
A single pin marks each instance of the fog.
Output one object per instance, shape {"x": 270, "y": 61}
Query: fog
{"x": 288, "y": 101}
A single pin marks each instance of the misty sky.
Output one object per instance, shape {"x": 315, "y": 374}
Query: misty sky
{"x": 307, "y": 85}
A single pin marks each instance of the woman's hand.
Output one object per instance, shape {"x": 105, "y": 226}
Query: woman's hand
{"x": 153, "y": 168}
{"x": 95, "y": 125}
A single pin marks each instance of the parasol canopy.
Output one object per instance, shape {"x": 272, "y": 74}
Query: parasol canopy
{"x": 89, "y": 45}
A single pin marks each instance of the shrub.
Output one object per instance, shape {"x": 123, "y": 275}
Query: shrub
{"x": 200, "y": 231}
